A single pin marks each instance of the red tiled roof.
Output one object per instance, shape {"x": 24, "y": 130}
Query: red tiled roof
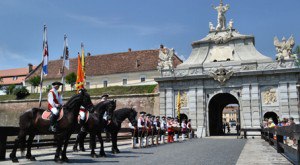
{"x": 15, "y": 72}
{"x": 124, "y": 62}
{"x": 10, "y": 80}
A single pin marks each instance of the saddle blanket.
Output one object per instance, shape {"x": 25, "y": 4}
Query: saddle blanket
{"x": 46, "y": 115}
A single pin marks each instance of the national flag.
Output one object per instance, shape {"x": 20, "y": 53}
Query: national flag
{"x": 66, "y": 53}
{"x": 45, "y": 52}
{"x": 178, "y": 105}
{"x": 80, "y": 79}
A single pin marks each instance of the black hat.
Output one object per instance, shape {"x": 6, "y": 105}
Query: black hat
{"x": 57, "y": 83}
{"x": 157, "y": 117}
{"x": 149, "y": 115}
{"x": 104, "y": 95}
{"x": 168, "y": 117}
{"x": 142, "y": 113}
{"x": 163, "y": 117}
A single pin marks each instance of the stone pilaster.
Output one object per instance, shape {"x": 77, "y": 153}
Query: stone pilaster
{"x": 162, "y": 102}
{"x": 255, "y": 106}
{"x": 201, "y": 113}
{"x": 192, "y": 96}
{"x": 283, "y": 99}
{"x": 245, "y": 112}
{"x": 169, "y": 102}
{"x": 293, "y": 100}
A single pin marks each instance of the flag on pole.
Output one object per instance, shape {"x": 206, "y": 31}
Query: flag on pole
{"x": 45, "y": 52}
{"x": 80, "y": 79}
{"x": 66, "y": 53}
{"x": 178, "y": 105}
{"x": 83, "y": 61}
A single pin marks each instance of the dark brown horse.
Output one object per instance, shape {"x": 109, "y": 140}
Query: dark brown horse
{"x": 31, "y": 123}
{"x": 95, "y": 125}
{"x": 114, "y": 127}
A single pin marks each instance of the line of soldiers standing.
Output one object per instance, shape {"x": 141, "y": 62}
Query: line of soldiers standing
{"x": 152, "y": 130}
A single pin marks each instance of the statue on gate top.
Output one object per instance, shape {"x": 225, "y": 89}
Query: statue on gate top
{"x": 284, "y": 48}
{"x": 165, "y": 58}
{"x": 221, "y": 9}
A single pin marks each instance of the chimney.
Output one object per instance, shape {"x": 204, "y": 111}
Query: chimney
{"x": 88, "y": 54}
{"x": 29, "y": 68}
{"x": 129, "y": 49}
{"x": 161, "y": 46}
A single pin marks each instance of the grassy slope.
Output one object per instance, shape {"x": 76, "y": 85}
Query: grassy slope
{"x": 115, "y": 90}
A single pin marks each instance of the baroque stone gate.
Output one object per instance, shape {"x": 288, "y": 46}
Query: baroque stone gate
{"x": 226, "y": 62}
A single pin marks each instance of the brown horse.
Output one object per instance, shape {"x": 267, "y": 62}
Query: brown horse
{"x": 31, "y": 123}
{"x": 95, "y": 125}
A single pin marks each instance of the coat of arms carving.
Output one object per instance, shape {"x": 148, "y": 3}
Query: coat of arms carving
{"x": 270, "y": 96}
{"x": 221, "y": 74}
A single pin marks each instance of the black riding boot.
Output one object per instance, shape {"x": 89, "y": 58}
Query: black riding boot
{"x": 53, "y": 122}
{"x": 81, "y": 123}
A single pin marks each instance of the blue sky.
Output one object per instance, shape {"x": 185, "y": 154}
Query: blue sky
{"x": 109, "y": 26}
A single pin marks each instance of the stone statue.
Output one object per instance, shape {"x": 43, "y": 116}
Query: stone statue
{"x": 221, "y": 15}
{"x": 284, "y": 48}
{"x": 230, "y": 24}
{"x": 165, "y": 59}
{"x": 211, "y": 26}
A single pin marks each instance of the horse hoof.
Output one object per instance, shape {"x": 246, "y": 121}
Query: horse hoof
{"x": 65, "y": 159}
{"x": 57, "y": 160}
{"x": 75, "y": 149}
{"x": 82, "y": 149}
{"x": 94, "y": 156}
{"x": 103, "y": 155}
{"x": 13, "y": 158}
{"x": 118, "y": 151}
{"x": 30, "y": 157}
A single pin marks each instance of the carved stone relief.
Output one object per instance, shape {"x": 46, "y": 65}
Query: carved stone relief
{"x": 269, "y": 96}
{"x": 221, "y": 74}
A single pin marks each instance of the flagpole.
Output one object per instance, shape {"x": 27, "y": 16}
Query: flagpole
{"x": 42, "y": 64}
{"x": 83, "y": 61}
{"x": 63, "y": 65}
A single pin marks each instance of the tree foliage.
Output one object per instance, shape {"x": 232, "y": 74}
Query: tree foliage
{"x": 21, "y": 92}
{"x": 10, "y": 89}
{"x": 71, "y": 79}
{"x": 35, "y": 81}
{"x": 297, "y": 50}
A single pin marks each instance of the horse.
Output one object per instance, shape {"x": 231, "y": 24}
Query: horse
{"x": 114, "y": 127}
{"x": 31, "y": 123}
{"x": 95, "y": 125}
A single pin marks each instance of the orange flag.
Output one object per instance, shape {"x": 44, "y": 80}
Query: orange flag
{"x": 80, "y": 75}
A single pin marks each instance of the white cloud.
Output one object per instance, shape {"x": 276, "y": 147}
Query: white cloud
{"x": 11, "y": 59}
{"x": 117, "y": 23}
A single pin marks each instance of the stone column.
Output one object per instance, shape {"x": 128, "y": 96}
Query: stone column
{"x": 245, "y": 111}
{"x": 201, "y": 117}
{"x": 255, "y": 108}
{"x": 293, "y": 100}
{"x": 193, "y": 106}
{"x": 162, "y": 102}
{"x": 283, "y": 99}
{"x": 169, "y": 102}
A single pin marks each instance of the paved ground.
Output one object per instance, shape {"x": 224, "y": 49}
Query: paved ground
{"x": 216, "y": 150}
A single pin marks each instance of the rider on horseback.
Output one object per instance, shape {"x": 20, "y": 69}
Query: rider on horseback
{"x": 54, "y": 104}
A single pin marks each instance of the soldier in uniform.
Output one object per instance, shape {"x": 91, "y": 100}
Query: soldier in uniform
{"x": 54, "y": 104}
{"x": 170, "y": 130}
{"x": 157, "y": 128}
{"x": 176, "y": 128}
{"x": 148, "y": 128}
{"x": 141, "y": 127}
{"x": 183, "y": 129}
{"x": 163, "y": 126}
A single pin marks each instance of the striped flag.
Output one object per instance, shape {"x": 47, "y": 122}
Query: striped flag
{"x": 45, "y": 52}
{"x": 66, "y": 53}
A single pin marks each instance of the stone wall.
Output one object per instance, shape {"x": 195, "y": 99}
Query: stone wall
{"x": 11, "y": 110}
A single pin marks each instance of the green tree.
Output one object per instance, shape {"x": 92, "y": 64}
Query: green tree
{"x": 71, "y": 79}
{"x": 21, "y": 92}
{"x": 10, "y": 89}
{"x": 35, "y": 81}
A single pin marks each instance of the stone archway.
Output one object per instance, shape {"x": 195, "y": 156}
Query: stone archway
{"x": 215, "y": 107}
{"x": 272, "y": 115}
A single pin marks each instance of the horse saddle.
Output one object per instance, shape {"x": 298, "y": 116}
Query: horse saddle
{"x": 46, "y": 115}
{"x": 86, "y": 117}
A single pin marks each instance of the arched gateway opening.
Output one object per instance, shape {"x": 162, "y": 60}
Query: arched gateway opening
{"x": 216, "y": 106}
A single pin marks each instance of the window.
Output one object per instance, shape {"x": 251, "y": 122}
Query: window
{"x": 105, "y": 83}
{"x": 15, "y": 77}
{"x": 143, "y": 78}
{"x": 124, "y": 81}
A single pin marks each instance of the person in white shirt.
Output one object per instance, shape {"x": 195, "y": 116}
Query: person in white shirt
{"x": 141, "y": 127}
{"x": 183, "y": 129}
{"x": 163, "y": 127}
{"x": 54, "y": 105}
